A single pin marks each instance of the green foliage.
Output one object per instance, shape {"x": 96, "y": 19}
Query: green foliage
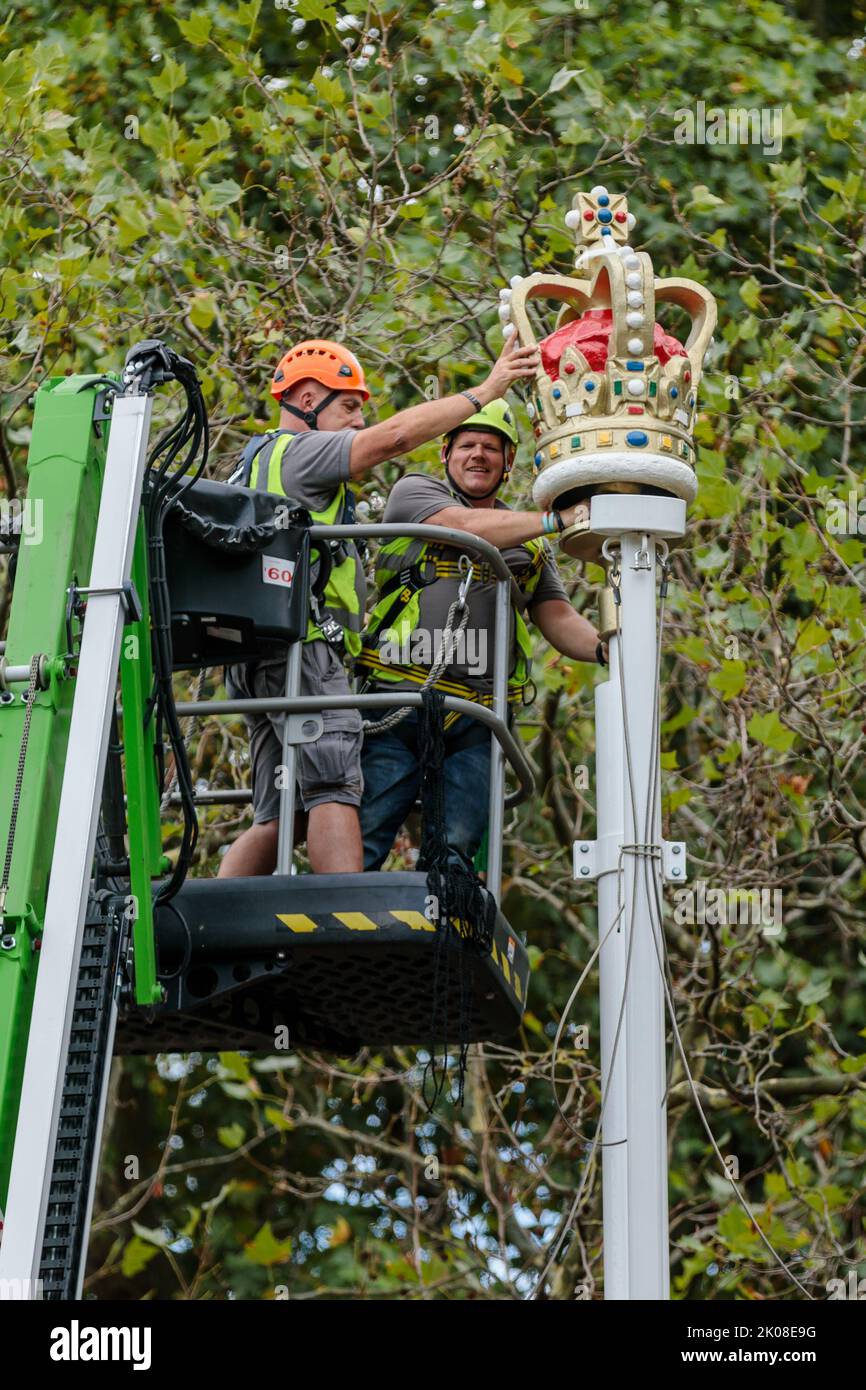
{"x": 233, "y": 177}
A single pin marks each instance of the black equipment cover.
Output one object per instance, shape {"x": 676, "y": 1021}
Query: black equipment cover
{"x": 238, "y": 569}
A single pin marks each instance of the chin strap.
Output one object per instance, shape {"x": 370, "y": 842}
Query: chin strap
{"x": 311, "y": 417}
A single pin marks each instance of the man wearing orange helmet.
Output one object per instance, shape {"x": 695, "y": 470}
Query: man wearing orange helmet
{"x": 322, "y": 444}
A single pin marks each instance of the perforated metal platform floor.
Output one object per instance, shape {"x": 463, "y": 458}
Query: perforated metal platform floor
{"x": 340, "y": 960}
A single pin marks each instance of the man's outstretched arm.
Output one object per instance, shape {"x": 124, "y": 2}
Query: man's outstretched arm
{"x": 501, "y": 527}
{"x": 419, "y": 424}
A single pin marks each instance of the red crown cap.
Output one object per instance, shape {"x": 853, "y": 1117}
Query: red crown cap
{"x": 590, "y": 334}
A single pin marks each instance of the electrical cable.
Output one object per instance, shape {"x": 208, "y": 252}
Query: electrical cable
{"x": 596, "y": 1142}
{"x": 187, "y": 952}
{"x": 554, "y": 1051}
{"x": 662, "y": 959}
{"x": 168, "y": 479}
{"x": 188, "y": 725}
{"x": 106, "y": 381}
{"x": 655, "y": 785}
{"x": 665, "y": 975}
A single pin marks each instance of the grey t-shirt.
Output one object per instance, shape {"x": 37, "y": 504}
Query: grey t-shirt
{"x": 314, "y": 464}
{"x": 415, "y": 498}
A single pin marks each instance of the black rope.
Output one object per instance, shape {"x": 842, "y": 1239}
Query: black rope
{"x": 465, "y": 912}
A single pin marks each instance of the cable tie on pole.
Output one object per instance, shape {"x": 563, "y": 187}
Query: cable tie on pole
{"x": 649, "y": 850}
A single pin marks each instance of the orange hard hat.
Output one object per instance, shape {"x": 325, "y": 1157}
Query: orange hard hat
{"x": 327, "y": 362}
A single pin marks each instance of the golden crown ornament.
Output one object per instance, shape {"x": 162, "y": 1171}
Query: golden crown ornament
{"x": 615, "y": 396}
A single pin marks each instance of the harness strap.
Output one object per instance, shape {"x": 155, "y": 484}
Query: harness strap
{"x": 409, "y": 581}
{"x": 404, "y": 585}
{"x": 243, "y": 473}
{"x": 419, "y": 674}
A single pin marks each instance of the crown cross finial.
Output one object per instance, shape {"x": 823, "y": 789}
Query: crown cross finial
{"x": 599, "y": 218}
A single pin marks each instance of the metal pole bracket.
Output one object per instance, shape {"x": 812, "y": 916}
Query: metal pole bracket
{"x": 592, "y": 858}
{"x": 675, "y": 867}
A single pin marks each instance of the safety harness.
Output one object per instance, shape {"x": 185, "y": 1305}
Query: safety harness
{"x": 397, "y": 611}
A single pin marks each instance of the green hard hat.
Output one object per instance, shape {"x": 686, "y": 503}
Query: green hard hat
{"x": 498, "y": 415}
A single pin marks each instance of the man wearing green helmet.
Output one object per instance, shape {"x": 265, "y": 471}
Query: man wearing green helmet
{"x": 417, "y": 583}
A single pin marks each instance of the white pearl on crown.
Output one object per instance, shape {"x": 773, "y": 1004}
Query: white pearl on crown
{"x": 636, "y": 388}
{"x": 634, "y": 319}
{"x": 635, "y": 345}
{"x": 515, "y": 281}
{"x": 572, "y": 219}
{"x": 599, "y": 191}
{"x": 505, "y": 295}
{"x": 635, "y": 299}
{"x": 633, "y": 280}
{"x": 630, "y": 220}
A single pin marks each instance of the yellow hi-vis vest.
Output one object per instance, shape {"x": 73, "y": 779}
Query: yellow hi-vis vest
{"x": 340, "y": 600}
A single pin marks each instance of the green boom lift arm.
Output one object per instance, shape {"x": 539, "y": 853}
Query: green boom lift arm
{"x": 80, "y": 615}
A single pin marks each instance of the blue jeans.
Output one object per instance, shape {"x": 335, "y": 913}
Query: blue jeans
{"x": 392, "y": 777}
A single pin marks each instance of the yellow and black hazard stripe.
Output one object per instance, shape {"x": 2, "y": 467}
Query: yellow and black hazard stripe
{"x": 503, "y": 949}
{"x": 300, "y": 923}
{"x": 503, "y": 958}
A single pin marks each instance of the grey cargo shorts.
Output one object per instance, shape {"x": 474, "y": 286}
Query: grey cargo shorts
{"x": 327, "y": 770}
